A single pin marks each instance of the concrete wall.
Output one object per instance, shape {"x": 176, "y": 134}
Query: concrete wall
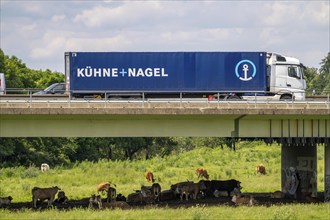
{"x": 327, "y": 172}
{"x": 299, "y": 163}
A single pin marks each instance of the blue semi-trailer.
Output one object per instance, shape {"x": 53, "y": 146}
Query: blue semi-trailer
{"x": 192, "y": 74}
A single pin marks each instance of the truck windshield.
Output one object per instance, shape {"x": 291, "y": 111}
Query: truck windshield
{"x": 295, "y": 71}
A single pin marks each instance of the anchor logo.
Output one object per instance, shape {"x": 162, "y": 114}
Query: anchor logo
{"x": 248, "y": 69}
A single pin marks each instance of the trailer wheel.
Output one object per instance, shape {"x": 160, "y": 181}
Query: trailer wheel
{"x": 233, "y": 98}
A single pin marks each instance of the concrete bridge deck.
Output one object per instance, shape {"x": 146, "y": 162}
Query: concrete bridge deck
{"x": 165, "y": 118}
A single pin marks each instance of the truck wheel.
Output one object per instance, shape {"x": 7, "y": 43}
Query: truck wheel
{"x": 286, "y": 98}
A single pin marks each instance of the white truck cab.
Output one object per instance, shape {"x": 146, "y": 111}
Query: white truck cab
{"x": 286, "y": 77}
{"x": 2, "y": 84}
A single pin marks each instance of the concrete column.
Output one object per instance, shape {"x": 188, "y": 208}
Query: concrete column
{"x": 327, "y": 172}
{"x": 299, "y": 164}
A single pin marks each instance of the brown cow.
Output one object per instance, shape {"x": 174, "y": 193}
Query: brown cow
{"x": 244, "y": 200}
{"x": 200, "y": 172}
{"x": 311, "y": 199}
{"x": 277, "y": 195}
{"x": 116, "y": 204}
{"x": 149, "y": 176}
{"x": 261, "y": 169}
{"x": 103, "y": 187}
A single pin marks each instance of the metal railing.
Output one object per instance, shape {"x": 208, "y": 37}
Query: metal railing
{"x": 30, "y": 100}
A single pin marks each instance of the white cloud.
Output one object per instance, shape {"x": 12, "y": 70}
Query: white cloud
{"x": 50, "y": 44}
{"x": 39, "y": 32}
{"x": 128, "y": 14}
{"x": 57, "y": 18}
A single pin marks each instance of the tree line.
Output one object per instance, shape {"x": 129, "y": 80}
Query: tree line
{"x": 65, "y": 151}
{"x": 55, "y": 151}
{"x": 19, "y": 76}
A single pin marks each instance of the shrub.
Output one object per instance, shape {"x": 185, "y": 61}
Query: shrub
{"x": 8, "y": 172}
{"x": 30, "y": 172}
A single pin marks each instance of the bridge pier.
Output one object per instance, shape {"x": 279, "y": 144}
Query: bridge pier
{"x": 299, "y": 165}
{"x": 327, "y": 172}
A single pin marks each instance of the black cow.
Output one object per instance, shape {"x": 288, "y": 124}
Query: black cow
{"x": 225, "y": 185}
{"x": 208, "y": 191}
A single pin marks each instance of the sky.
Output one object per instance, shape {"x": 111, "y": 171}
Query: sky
{"x": 39, "y": 32}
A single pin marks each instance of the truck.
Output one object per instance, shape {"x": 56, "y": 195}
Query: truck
{"x": 222, "y": 75}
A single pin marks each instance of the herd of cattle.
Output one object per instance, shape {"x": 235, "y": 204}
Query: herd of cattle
{"x": 205, "y": 188}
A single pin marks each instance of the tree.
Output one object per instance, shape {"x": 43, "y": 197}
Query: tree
{"x": 325, "y": 74}
{"x": 310, "y": 74}
{"x": 18, "y": 75}
{"x": 319, "y": 81}
{"x": 131, "y": 145}
{"x": 2, "y": 61}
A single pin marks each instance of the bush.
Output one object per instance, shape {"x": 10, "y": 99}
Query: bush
{"x": 30, "y": 172}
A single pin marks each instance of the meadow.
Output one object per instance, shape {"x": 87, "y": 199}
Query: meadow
{"x": 80, "y": 179}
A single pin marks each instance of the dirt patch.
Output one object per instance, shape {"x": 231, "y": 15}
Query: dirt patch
{"x": 262, "y": 199}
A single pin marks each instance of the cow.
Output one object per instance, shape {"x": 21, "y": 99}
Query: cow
{"x": 5, "y": 200}
{"x": 156, "y": 189}
{"x": 103, "y": 187}
{"x": 145, "y": 190}
{"x": 44, "y": 167}
{"x": 95, "y": 201}
{"x": 166, "y": 195}
{"x": 149, "y": 176}
{"x": 188, "y": 188}
{"x": 244, "y": 200}
{"x": 277, "y": 195}
{"x": 261, "y": 169}
{"x": 225, "y": 185}
{"x": 120, "y": 197}
{"x": 207, "y": 192}
{"x": 311, "y": 199}
{"x": 111, "y": 194}
{"x": 148, "y": 193}
{"x": 61, "y": 198}
{"x": 200, "y": 172}
{"x": 218, "y": 193}
{"x": 116, "y": 204}
{"x": 134, "y": 198}
{"x": 174, "y": 186}
{"x": 44, "y": 193}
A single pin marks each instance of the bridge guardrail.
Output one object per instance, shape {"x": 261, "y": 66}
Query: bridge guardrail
{"x": 31, "y": 99}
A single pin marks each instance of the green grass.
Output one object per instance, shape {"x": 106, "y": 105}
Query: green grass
{"x": 80, "y": 180}
{"x": 287, "y": 212}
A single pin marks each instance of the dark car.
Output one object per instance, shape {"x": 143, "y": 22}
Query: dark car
{"x": 56, "y": 88}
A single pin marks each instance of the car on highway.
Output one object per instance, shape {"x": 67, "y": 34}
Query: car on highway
{"x": 56, "y": 88}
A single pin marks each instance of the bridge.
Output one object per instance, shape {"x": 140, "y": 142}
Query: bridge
{"x": 298, "y": 126}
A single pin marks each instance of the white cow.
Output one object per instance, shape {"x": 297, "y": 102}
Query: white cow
{"x": 44, "y": 167}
